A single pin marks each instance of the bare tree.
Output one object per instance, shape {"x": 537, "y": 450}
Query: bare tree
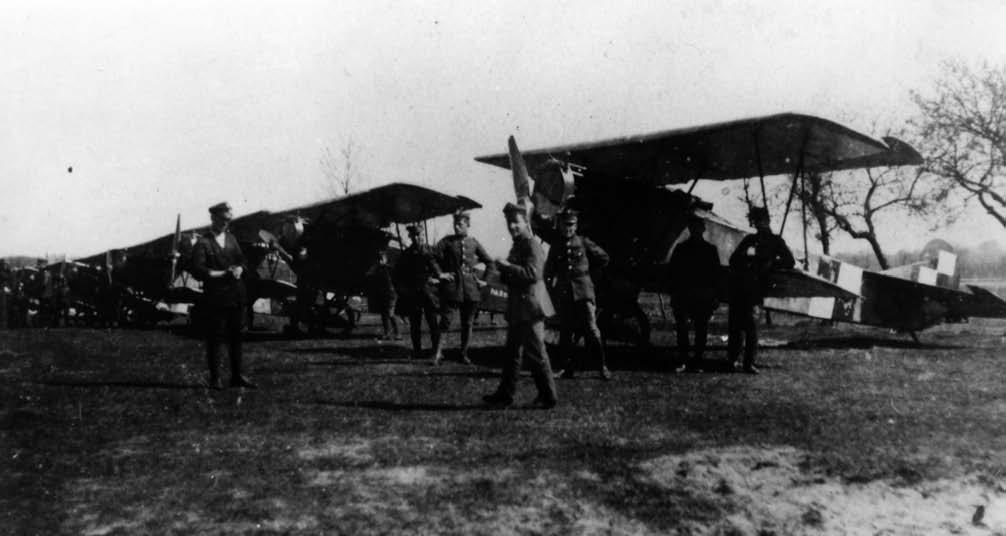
{"x": 853, "y": 201}
{"x": 341, "y": 175}
{"x": 962, "y": 126}
{"x": 812, "y": 195}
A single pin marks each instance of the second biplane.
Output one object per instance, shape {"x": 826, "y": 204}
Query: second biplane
{"x": 624, "y": 190}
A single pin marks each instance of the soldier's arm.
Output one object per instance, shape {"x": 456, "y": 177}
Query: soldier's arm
{"x": 737, "y": 257}
{"x": 483, "y": 256}
{"x": 596, "y": 254}
{"x": 530, "y": 268}
{"x": 199, "y": 269}
{"x": 783, "y": 256}
{"x": 549, "y": 270}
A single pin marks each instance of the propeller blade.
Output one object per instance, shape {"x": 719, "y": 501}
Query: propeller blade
{"x": 108, "y": 265}
{"x": 174, "y": 248}
{"x": 521, "y": 179}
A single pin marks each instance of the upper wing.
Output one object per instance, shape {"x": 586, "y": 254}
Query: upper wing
{"x": 376, "y": 207}
{"x": 770, "y": 145}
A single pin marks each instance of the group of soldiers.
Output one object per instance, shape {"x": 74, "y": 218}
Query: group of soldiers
{"x": 430, "y": 283}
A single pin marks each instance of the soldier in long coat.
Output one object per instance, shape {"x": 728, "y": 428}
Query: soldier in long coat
{"x": 528, "y": 305}
{"x": 218, "y": 262}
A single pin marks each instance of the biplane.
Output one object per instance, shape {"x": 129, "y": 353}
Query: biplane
{"x": 313, "y": 258}
{"x": 628, "y": 193}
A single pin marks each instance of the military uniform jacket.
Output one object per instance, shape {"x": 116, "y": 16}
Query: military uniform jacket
{"x": 695, "y": 271}
{"x": 208, "y": 255}
{"x": 415, "y": 267}
{"x": 527, "y": 299}
{"x": 570, "y": 262}
{"x": 458, "y": 255}
{"x": 750, "y": 264}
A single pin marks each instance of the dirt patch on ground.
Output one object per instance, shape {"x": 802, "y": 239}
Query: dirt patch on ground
{"x": 767, "y": 492}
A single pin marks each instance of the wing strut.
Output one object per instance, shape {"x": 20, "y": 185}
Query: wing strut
{"x": 796, "y": 175}
{"x": 761, "y": 173}
{"x": 803, "y": 215}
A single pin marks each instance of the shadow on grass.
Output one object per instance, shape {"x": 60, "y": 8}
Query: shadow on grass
{"x": 864, "y": 342}
{"x": 388, "y": 405}
{"x": 133, "y": 384}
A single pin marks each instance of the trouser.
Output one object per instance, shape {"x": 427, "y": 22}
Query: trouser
{"x": 424, "y": 308}
{"x": 527, "y": 340}
{"x": 223, "y": 324}
{"x": 466, "y": 310}
{"x": 388, "y": 321}
{"x": 742, "y": 323}
{"x": 692, "y": 315}
{"x": 580, "y": 317}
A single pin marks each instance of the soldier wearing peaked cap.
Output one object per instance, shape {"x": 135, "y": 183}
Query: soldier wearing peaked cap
{"x": 527, "y": 306}
{"x": 751, "y": 263}
{"x": 694, "y": 273}
{"x": 218, "y": 262}
{"x": 416, "y": 276}
{"x": 457, "y": 256}
{"x": 570, "y": 262}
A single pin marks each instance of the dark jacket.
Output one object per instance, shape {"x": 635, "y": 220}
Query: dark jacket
{"x": 415, "y": 267}
{"x": 694, "y": 272}
{"x": 208, "y": 255}
{"x": 527, "y": 299}
{"x": 750, "y": 264}
{"x": 571, "y": 262}
{"x": 458, "y": 255}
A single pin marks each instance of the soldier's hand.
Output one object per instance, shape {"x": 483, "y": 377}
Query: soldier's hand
{"x": 447, "y": 277}
{"x": 502, "y": 261}
{"x": 481, "y": 283}
{"x": 433, "y": 281}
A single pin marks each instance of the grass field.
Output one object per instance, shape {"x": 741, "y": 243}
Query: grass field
{"x": 846, "y": 431}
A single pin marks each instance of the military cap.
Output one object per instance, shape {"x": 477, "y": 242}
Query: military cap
{"x": 569, "y": 214}
{"x": 511, "y": 208}
{"x": 220, "y": 209}
{"x": 412, "y": 230}
{"x": 758, "y": 213}
{"x": 462, "y": 215}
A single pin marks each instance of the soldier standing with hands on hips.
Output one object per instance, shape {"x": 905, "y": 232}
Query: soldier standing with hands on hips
{"x": 528, "y": 305}
{"x": 570, "y": 262}
{"x": 218, "y": 262}
{"x": 457, "y": 255}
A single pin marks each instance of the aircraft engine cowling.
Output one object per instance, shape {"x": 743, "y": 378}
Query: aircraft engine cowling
{"x": 291, "y": 232}
{"x": 553, "y": 185}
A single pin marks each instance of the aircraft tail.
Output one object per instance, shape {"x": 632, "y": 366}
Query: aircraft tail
{"x": 940, "y": 270}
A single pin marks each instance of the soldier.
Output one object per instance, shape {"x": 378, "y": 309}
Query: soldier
{"x": 694, "y": 273}
{"x": 570, "y": 261}
{"x": 750, "y": 264}
{"x": 382, "y": 297}
{"x": 527, "y": 306}
{"x": 218, "y": 262}
{"x": 416, "y": 277}
{"x": 457, "y": 256}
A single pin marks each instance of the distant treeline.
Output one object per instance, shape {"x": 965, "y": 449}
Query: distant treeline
{"x": 20, "y": 261}
{"x": 986, "y": 261}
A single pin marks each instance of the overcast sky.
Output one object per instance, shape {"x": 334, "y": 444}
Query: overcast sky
{"x": 168, "y": 107}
